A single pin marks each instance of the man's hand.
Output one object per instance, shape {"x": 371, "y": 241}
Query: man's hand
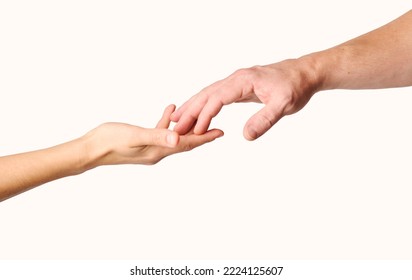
{"x": 379, "y": 59}
{"x": 283, "y": 87}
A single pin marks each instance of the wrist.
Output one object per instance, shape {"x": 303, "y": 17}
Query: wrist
{"x": 90, "y": 152}
{"x": 314, "y": 69}
{"x": 329, "y": 67}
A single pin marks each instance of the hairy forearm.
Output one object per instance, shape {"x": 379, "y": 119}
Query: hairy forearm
{"x": 379, "y": 59}
{"x": 21, "y": 172}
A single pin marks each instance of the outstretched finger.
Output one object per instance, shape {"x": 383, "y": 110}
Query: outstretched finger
{"x": 189, "y": 117}
{"x": 189, "y": 142}
{"x": 210, "y": 101}
{"x": 164, "y": 122}
{"x": 175, "y": 117}
{"x": 209, "y": 111}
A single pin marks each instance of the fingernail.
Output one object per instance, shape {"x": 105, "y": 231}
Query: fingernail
{"x": 171, "y": 139}
{"x": 252, "y": 133}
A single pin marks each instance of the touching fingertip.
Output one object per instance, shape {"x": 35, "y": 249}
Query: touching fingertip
{"x": 198, "y": 130}
{"x": 178, "y": 129}
{"x": 174, "y": 117}
{"x": 172, "y": 139}
{"x": 171, "y": 108}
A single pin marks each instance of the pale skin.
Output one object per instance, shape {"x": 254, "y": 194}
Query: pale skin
{"x": 110, "y": 143}
{"x": 379, "y": 59}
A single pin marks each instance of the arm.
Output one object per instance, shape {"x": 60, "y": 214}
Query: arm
{"x": 379, "y": 59}
{"x": 110, "y": 143}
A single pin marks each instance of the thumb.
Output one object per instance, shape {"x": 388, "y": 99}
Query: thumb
{"x": 159, "y": 137}
{"x": 262, "y": 121}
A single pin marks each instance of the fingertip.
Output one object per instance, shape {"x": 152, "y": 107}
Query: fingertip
{"x": 220, "y": 133}
{"x": 172, "y": 107}
{"x": 250, "y": 133}
{"x": 183, "y": 126}
{"x": 178, "y": 129}
{"x": 169, "y": 110}
{"x": 164, "y": 122}
{"x": 198, "y": 130}
{"x": 172, "y": 139}
{"x": 215, "y": 133}
{"x": 174, "y": 117}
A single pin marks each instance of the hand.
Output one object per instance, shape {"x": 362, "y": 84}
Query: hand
{"x": 117, "y": 143}
{"x": 110, "y": 143}
{"x": 283, "y": 87}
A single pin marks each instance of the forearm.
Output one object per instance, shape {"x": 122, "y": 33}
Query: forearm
{"x": 109, "y": 143}
{"x": 379, "y": 59}
{"x": 21, "y": 172}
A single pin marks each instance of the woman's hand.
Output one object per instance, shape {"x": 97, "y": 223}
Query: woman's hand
{"x": 110, "y": 143}
{"x": 119, "y": 143}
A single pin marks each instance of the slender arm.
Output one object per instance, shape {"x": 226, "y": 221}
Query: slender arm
{"x": 21, "y": 172}
{"x": 109, "y": 143}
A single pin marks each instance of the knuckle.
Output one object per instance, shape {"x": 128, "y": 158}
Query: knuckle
{"x": 105, "y": 126}
{"x": 256, "y": 68}
{"x": 248, "y": 76}
{"x": 243, "y": 72}
{"x": 249, "y": 72}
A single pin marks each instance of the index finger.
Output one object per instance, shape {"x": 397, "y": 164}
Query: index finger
{"x": 164, "y": 122}
{"x": 228, "y": 91}
{"x": 178, "y": 113}
{"x": 191, "y": 114}
{"x": 202, "y": 107}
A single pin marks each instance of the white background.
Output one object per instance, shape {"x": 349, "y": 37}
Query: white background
{"x": 331, "y": 182}
{"x": 292, "y": 269}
